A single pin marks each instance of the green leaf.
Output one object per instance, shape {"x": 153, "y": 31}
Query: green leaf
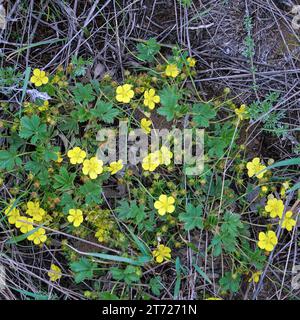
{"x": 202, "y": 274}
{"x": 81, "y": 114}
{"x": 64, "y": 180}
{"x": 202, "y": 113}
{"x": 32, "y": 128}
{"x": 230, "y": 282}
{"x": 35, "y": 166}
{"x": 67, "y": 203}
{"x": 255, "y": 257}
{"x": 228, "y": 236}
{"x": 232, "y": 223}
{"x": 9, "y": 159}
{"x": 25, "y": 85}
{"x": 83, "y": 93}
{"x": 225, "y": 132}
{"x": 131, "y": 211}
{"x": 141, "y": 260}
{"x": 80, "y": 65}
{"x": 129, "y": 274}
{"x": 43, "y": 177}
{"x": 178, "y": 268}
{"x": 108, "y": 296}
{"x": 92, "y": 192}
{"x": 140, "y": 244}
{"x": 155, "y": 285}
{"x": 192, "y": 218}
{"x": 105, "y": 111}
{"x": 83, "y": 269}
{"x": 148, "y": 50}
{"x": 49, "y": 152}
{"x": 294, "y": 188}
{"x": 216, "y": 147}
{"x": 69, "y": 124}
{"x": 36, "y": 296}
{"x": 284, "y": 163}
{"x": 169, "y": 98}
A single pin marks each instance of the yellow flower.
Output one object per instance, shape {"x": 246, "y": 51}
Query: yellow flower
{"x": 150, "y": 99}
{"x": 25, "y": 224}
{"x": 288, "y": 222}
{"x": 124, "y": 93}
{"x": 150, "y": 162}
{"x": 34, "y": 210}
{"x": 92, "y": 167}
{"x": 254, "y": 167}
{"x": 59, "y": 157}
{"x": 286, "y": 185}
{"x": 56, "y": 79}
{"x": 255, "y": 276}
{"x": 161, "y": 253}
{"x": 13, "y": 214}
{"x": 164, "y": 204}
{"x": 264, "y": 189}
{"x": 165, "y": 155}
{"x": 145, "y": 125}
{"x": 115, "y": 166}
{"x": 39, "y": 77}
{"x": 45, "y": 106}
{"x": 191, "y": 62}
{"x": 54, "y": 273}
{"x": 275, "y": 207}
{"x": 101, "y": 235}
{"x": 172, "y": 70}
{"x": 76, "y": 155}
{"x": 38, "y": 236}
{"x": 76, "y": 217}
{"x": 283, "y": 188}
{"x": 242, "y": 112}
{"x": 267, "y": 240}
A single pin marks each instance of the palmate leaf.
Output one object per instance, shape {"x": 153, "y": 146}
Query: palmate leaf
{"x": 67, "y": 203}
{"x": 148, "y": 50}
{"x": 218, "y": 144}
{"x": 9, "y": 159}
{"x": 105, "y": 111}
{"x": 227, "y": 238}
{"x": 216, "y": 147}
{"x": 35, "y": 166}
{"x": 43, "y": 177}
{"x": 202, "y": 113}
{"x": 80, "y": 114}
{"x": 83, "y": 269}
{"x": 83, "y": 93}
{"x": 169, "y": 98}
{"x": 155, "y": 285}
{"x": 64, "y": 180}
{"x": 32, "y": 128}
{"x": 48, "y": 152}
{"x": 69, "y": 124}
{"x": 192, "y": 218}
{"x": 128, "y": 275}
{"x": 92, "y": 192}
{"x": 230, "y": 282}
{"x": 131, "y": 211}
{"x": 255, "y": 257}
